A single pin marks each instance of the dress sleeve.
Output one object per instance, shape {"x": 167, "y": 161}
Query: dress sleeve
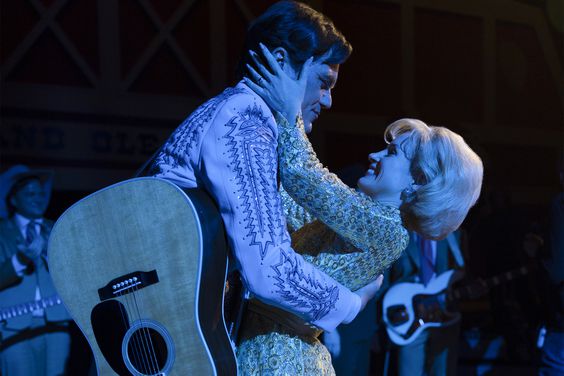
{"x": 238, "y": 165}
{"x": 368, "y": 225}
{"x": 296, "y": 216}
{"x": 339, "y": 258}
{"x": 354, "y": 270}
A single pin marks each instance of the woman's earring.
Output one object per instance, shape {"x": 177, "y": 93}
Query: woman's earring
{"x": 408, "y": 195}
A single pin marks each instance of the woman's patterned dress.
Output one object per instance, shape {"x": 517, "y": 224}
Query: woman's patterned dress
{"x": 354, "y": 240}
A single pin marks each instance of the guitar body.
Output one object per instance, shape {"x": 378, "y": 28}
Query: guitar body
{"x": 411, "y": 308}
{"x": 141, "y": 268}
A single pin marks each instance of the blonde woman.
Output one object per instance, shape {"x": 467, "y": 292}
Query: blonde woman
{"x": 426, "y": 180}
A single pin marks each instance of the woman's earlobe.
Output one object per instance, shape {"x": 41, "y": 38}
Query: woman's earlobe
{"x": 409, "y": 194}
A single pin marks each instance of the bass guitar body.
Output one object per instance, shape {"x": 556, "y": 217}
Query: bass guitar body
{"x": 411, "y": 308}
{"x": 141, "y": 267}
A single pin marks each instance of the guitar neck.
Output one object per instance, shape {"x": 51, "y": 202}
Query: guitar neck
{"x": 487, "y": 284}
{"x": 29, "y": 307}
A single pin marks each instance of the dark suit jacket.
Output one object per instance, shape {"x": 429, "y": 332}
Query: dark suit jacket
{"x": 406, "y": 268}
{"x": 16, "y": 290}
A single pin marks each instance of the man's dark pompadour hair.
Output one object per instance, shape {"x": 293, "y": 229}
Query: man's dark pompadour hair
{"x": 299, "y": 29}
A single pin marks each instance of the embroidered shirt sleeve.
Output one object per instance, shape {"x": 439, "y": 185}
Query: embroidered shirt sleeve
{"x": 296, "y": 215}
{"x": 368, "y": 225}
{"x": 239, "y": 168}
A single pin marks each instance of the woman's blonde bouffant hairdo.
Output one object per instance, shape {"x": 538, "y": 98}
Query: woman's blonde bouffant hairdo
{"x": 447, "y": 175}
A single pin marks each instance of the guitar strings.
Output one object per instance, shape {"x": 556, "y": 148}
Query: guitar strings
{"x": 141, "y": 338}
{"x": 125, "y": 320}
{"x": 152, "y": 354}
{"x": 137, "y": 350}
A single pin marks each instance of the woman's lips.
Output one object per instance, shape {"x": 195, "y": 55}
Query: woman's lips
{"x": 374, "y": 169}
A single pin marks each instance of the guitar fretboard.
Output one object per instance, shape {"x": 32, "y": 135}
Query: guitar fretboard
{"x": 487, "y": 284}
{"x": 26, "y": 308}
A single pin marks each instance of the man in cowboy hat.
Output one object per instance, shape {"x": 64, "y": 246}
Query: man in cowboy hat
{"x": 33, "y": 341}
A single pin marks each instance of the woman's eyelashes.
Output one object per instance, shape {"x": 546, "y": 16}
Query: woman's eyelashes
{"x": 392, "y": 149}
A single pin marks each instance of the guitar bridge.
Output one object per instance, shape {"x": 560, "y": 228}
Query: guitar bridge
{"x": 128, "y": 283}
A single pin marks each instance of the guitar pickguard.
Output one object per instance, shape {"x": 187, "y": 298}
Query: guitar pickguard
{"x": 410, "y": 308}
{"x": 110, "y": 322}
{"x": 131, "y": 347}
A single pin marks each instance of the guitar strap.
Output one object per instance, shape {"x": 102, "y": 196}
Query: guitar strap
{"x": 143, "y": 169}
{"x": 455, "y": 249}
{"x": 235, "y": 305}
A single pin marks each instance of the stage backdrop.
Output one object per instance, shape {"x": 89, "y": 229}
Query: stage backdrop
{"x": 90, "y": 88}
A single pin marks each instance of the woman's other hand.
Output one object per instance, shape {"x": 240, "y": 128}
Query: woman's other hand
{"x": 369, "y": 291}
{"x": 332, "y": 340}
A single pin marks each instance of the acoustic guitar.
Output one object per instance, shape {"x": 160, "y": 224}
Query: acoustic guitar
{"x": 141, "y": 267}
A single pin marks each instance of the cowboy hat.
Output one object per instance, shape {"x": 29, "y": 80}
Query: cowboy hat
{"x": 17, "y": 173}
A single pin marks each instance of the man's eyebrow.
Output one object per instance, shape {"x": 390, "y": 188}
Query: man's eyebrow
{"x": 328, "y": 78}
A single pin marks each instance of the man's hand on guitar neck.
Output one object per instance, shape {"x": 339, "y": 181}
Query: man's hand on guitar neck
{"x": 368, "y": 292}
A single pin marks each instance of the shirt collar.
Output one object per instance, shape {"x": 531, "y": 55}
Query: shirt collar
{"x": 22, "y": 221}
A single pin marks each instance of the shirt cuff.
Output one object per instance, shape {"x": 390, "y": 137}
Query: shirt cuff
{"x": 355, "y": 309}
{"x": 18, "y": 266}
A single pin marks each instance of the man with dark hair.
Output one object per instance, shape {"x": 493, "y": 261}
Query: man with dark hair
{"x": 228, "y": 147}
{"x": 295, "y": 32}
{"x": 35, "y": 340}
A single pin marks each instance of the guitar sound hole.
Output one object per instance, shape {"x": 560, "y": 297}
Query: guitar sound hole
{"x": 147, "y": 351}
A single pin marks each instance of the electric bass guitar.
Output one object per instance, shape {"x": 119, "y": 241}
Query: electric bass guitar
{"x": 411, "y": 308}
{"x": 141, "y": 268}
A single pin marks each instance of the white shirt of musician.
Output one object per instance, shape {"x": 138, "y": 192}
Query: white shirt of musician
{"x": 22, "y": 223}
